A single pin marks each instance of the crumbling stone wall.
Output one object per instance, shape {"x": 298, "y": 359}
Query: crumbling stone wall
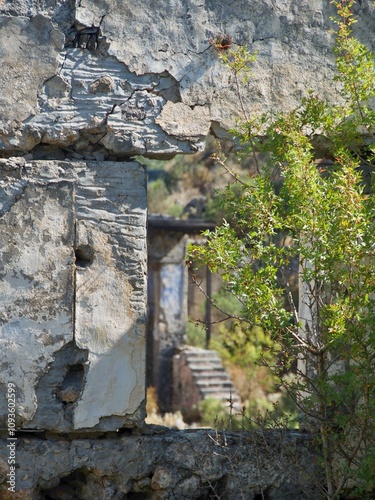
{"x": 84, "y": 86}
{"x": 180, "y": 465}
{"x": 108, "y": 78}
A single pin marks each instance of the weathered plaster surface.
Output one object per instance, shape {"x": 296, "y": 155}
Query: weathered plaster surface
{"x": 73, "y": 266}
{"x": 110, "y": 291}
{"x": 23, "y": 72}
{"x": 104, "y": 79}
{"x": 36, "y": 286}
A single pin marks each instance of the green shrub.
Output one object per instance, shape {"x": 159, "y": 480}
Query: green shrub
{"x": 326, "y": 217}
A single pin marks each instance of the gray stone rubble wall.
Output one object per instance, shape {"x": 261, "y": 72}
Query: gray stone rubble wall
{"x": 165, "y": 464}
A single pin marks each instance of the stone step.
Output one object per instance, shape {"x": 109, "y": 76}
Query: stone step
{"x": 200, "y": 354}
{"x": 197, "y": 360}
{"x": 226, "y": 384}
{"x": 205, "y": 361}
{"x": 222, "y": 396}
{"x": 209, "y": 374}
{"x": 223, "y": 391}
{"x": 210, "y": 377}
{"x": 201, "y": 367}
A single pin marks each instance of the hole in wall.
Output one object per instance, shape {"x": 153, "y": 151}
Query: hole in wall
{"x": 72, "y": 486}
{"x": 84, "y": 256}
{"x": 83, "y": 484}
{"x": 138, "y": 496}
{"x": 52, "y": 412}
{"x": 262, "y": 496}
{"x": 72, "y": 385}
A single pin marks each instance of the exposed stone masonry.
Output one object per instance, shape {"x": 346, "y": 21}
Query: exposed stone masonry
{"x": 164, "y": 464}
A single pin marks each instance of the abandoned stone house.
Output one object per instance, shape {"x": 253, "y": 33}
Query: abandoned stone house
{"x": 84, "y": 87}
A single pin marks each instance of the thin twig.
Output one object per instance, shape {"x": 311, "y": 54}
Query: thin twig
{"x": 228, "y": 170}
{"x": 228, "y": 316}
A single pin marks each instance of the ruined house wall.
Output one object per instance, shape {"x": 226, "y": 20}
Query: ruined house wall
{"x": 114, "y": 78}
{"x": 84, "y": 86}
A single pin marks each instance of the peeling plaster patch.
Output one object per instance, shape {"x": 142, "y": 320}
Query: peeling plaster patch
{"x": 161, "y": 36}
{"x": 56, "y": 389}
{"x": 111, "y": 105}
{"x": 24, "y": 359}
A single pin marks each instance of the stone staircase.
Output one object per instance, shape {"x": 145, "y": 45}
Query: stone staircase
{"x": 203, "y": 371}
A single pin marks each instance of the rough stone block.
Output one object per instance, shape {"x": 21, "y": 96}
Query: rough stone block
{"x": 73, "y": 288}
